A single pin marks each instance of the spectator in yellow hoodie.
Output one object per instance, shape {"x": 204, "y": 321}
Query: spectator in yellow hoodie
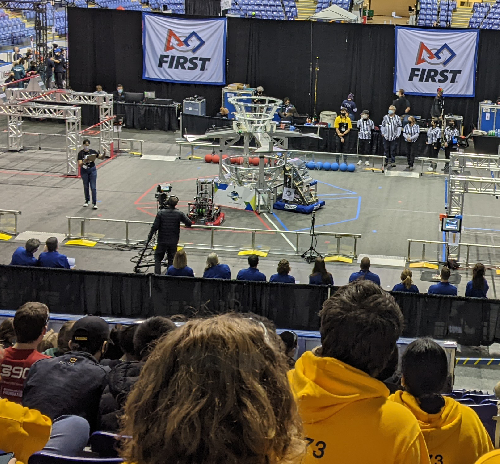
{"x": 452, "y": 431}
{"x": 346, "y": 415}
{"x": 490, "y": 458}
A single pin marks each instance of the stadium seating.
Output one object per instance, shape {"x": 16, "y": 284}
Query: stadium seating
{"x": 322, "y": 4}
{"x": 486, "y": 412}
{"x": 104, "y": 444}
{"x": 491, "y": 18}
{"x": 432, "y": 12}
{"x": 264, "y": 9}
{"x": 479, "y": 12}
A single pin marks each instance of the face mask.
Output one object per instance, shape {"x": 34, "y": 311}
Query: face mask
{"x": 86, "y": 148}
{"x": 120, "y": 90}
{"x": 364, "y": 116}
{"x": 391, "y": 111}
{"x": 343, "y": 114}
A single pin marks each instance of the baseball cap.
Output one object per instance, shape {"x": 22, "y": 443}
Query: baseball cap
{"x": 365, "y": 112}
{"x": 90, "y": 329}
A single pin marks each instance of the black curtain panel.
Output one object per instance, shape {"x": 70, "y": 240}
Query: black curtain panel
{"x": 202, "y": 7}
{"x": 105, "y": 47}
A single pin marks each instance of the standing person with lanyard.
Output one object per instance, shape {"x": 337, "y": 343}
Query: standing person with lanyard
{"x": 437, "y": 108}
{"x": 88, "y": 171}
{"x": 410, "y": 133}
{"x": 351, "y": 106}
{"x": 391, "y": 130}
{"x": 365, "y": 127}
{"x": 450, "y": 135}
{"x": 433, "y": 143}
{"x": 342, "y": 126}
{"x": 402, "y": 106}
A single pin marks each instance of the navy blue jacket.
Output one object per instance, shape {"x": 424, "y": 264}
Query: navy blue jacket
{"x": 53, "y": 259}
{"x": 317, "y": 279}
{"x": 283, "y": 278}
{"x": 252, "y": 273}
{"x": 476, "y": 292}
{"x": 442, "y": 288}
{"x": 71, "y": 384}
{"x": 367, "y": 275}
{"x": 21, "y": 257}
{"x": 401, "y": 287}
{"x": 219, "y": 271}
{"x": 183, "y": 272}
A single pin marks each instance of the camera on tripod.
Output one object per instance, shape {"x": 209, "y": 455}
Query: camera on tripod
{"x": 163, "y": 194}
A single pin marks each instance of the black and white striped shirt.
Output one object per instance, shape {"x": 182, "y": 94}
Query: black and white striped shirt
{"x": 391, "y": 127}
{"x": 412, "y": 131}
{"x": 433, "y": 135}
{"x": 449, "y": 133}
{"x": 365, "y": 127}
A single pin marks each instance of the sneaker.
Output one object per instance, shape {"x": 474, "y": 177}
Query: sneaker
{"x": 359, "y": 163}
{"x": 407, "y": 168}
{"x": 411, "y": 168}
{"x": 85, "y": 204}
{"x": 94, "y": 207}
{"x": 367, "y": 163}
{"x": 393, "y": 165}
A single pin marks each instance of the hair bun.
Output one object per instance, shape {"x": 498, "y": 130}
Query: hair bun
{"x": 431, "y": 403}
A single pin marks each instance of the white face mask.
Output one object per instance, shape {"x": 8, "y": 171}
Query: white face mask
{"x": 391, "y": 111}
{"x": 364, "y": 116}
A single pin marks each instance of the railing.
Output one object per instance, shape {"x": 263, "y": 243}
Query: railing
{"x": 424, "y": 257}
{"x": 127, "y": 238}
{"x": 9, "y": 212}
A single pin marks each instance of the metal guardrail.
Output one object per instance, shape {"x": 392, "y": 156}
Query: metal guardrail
{"x": 467, "y": 246}
{"x": 83, "y": 233}
{"x": 9, "y": 212}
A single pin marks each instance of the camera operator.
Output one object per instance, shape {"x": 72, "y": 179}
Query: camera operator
{"x": 167, "y": 223}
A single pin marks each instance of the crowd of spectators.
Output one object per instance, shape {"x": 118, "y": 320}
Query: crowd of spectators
{"x": 50, "y": 257}
{"x": 228, "y": 389}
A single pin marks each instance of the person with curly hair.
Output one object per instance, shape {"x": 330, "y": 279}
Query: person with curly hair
{"x": 213, "y": 391}
{"x": 283, "y": 275}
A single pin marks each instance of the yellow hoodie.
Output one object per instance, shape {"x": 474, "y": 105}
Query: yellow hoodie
{"x": 348, "y": 419}
{"x": 24, "y": 431}
{"x": 490, "y": 458}
{"x": 454, "y": 435}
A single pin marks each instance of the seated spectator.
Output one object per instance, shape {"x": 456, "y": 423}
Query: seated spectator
{"x": 23, "y": 256}
{"x": 63, "y": 339}
{"x": 282, "y": 275}
{"x": 10, "y": 78}
{"x": 120, "y": 346}
{"x": 27, "y": 431}
{"x": 7, "y": 333}
{"x": 30, "y": 325}
{"x": 77, "y": 380}
{"x": 216, "y": 391}
{"x": 406, "y": 285}
{"x": 50, "y": 257}
{"x": 98, "y": 90}
{"x": 451, "y": 430}
{"x": 320, "y": 276}
{"x": 344, "y": 408}
{"x": 477, "y": 287}
{"x": 223, "y": 113}
{"x": 364, "y": 272}
{"x": 490, "y": 458}
{"x": 215, "y": 270}
{"x": 49, "y": 341}
{"x": 119, "y": 94}
{"x": 123, "y": 377}
{"x": 496, "y": 391}
{"x": 443, "y": 287}
{"x": 252, "y": 273}
{"x": 179, "y": 267}
{"x": 290, "y": 340}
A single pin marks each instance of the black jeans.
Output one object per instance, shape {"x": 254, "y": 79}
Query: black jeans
{"x": 411, "y": 148}
{"x": 390, "y": 147}
{"x": 161, "y": 249}
{"x": 59, "y": 79}
{"x": 365, "y": 146}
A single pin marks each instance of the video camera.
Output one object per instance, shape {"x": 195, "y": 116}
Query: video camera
{"x": 163, "y": 194}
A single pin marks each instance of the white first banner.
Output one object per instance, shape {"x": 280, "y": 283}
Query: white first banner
{"x": 429, "y": 59}
{"x": 187, "y": 51}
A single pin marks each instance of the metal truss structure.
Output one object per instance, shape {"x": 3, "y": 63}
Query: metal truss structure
{"x": 485, "y": 182}
{"x": 25, "y": 97}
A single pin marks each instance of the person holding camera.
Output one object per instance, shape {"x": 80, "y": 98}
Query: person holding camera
{"x": 167, "y": 223}
{"x": 88, "y": 171}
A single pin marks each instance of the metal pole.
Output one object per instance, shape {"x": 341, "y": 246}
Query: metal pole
{"x": 39, "y": 141}
{"x": 467, "y": 258}
{"x": 82, "y": 228}
{"x": 409, "y": 248}
{"x": 126, "y": 233}
{"x": 15, "y": 224}
{"x": 69, "y": 227}
{"x": 212, "y": 238}
{"x": 338, "y": 245}
{"x": 355, "y": 251}
{"x": 297, "y": 243}
{"x": 253, "y": 239}
{"x": 423, "y": 251}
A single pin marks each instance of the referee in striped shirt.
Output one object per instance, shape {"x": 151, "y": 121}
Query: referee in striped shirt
{"x": 410, "y": 133}
{"x": 391, "y": 130}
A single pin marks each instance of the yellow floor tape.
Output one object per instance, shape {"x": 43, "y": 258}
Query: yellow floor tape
{"x": 179, "y": 247}
{"x": 81, "y": 242}
{"x": 262, "y": 254}
{"x": 5, "y": 237}
{"x": 498, "y": 271}
{"x": 425, "y": 265}
{"x": 340, "y": 259}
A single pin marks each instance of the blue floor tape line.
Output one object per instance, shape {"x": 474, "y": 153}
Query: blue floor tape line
{"x": 280, "y": 221}
{"x": 335, "y": 186}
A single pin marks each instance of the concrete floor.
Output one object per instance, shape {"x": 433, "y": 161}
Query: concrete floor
{"x": 387, "y": 211}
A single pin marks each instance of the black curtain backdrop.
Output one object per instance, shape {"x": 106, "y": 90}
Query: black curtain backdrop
{"x": 202, "y": 7}
{"x": 105, "y": 47}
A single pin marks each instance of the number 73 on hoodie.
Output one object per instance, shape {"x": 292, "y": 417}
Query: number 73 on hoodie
{"x": 319, "y": 446}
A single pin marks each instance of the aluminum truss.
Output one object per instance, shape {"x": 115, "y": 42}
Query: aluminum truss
{"x": 460, "y": 183}
{"x": 72, "y": 115}
{"x": 62, "y": 97}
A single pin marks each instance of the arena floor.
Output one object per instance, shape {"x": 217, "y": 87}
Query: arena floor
{"x": 385, "y": 210}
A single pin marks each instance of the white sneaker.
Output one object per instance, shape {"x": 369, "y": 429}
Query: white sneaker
{"x": 367, "y": 163}
{"x": 359, "y": 163}
{"x": 94, "y": 207}
{"x": 85, "y": 204}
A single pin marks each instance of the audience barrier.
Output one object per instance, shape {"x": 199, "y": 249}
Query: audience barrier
{"x": 468, "y": 321}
